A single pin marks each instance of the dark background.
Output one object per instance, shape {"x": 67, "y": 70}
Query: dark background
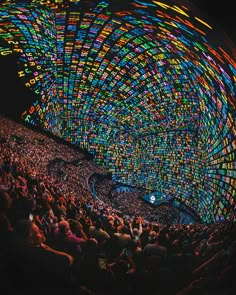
{"x": 221, "y": 13}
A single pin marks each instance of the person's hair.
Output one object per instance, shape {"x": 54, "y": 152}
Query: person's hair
{"x": 64, "y": 226}
{"x": 26, "y": 233}
{"x": 98, "y": 223}
{"x": 5, "y": 199}
{"x": 125, "y": 230}
{"x": 23, "y": 230}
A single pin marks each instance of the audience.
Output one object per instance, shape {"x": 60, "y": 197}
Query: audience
{"x": 31, "y": 262}
{"x": 55, "y": 234}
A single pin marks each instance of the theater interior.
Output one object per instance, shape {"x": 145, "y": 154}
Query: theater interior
{"x": 142, "y": 96}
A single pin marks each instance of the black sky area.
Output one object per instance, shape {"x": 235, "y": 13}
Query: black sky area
{"x": 15, "y": 96}
{"x": 220, "y": 13}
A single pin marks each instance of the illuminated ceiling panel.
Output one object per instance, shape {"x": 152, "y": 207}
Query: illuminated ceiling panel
{"x": 147, "y": 88}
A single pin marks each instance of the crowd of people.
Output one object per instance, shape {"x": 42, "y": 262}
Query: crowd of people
{"x": 56, "y": 236}
{"x": 131, "y": 202}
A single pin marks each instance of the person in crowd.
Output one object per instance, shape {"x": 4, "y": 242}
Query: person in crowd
{"x": 171, "y": 257}
{"x": 137, "y": 230}
{"x": 155, "y": 249}
{"x": 67, "y": 241}
{"x": 94, "y": 272}
{"x": 123, "y": 237}
{"x": 96, "y": 231}
{"x": 32, "y": 263}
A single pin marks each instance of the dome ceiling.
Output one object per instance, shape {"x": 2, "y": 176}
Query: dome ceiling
{"x": 148, "y": 88}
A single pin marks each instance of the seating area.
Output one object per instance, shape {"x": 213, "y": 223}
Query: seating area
{"x": 56, "y": 236}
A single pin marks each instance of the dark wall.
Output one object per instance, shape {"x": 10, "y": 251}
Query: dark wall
{"x": 15, "y": 96}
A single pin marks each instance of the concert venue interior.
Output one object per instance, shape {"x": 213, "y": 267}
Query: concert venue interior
{"x": 143, "y": 92}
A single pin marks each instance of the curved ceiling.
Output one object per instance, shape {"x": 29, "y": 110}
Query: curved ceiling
{"x": 147, "y": 87}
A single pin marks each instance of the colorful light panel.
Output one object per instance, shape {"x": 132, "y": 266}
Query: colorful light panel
{"x": 148, "y": 89}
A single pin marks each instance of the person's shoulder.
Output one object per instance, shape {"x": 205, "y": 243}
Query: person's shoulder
{"x": 161, "y": 246}
{"x": 74, "y": 238}
{"x": 148, "y": 246}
